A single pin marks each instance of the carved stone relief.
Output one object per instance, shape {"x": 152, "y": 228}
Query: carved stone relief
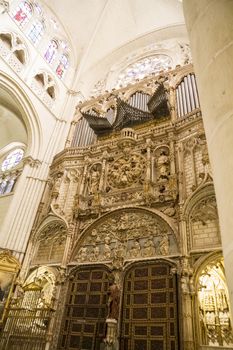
{"x": 162, "y": 164}
{"x": 93, "y": 179}
{"x": 127, "y": 235}
{"x": 126, "y": 171}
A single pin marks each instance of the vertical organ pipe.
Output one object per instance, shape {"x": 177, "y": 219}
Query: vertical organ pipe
{"x": 183, "y": 98}
{"x": 178, "y": 103}
{"x": 181, "y": 102}
{"x": 187, "y": 95}
{"x": 191, "y": 92}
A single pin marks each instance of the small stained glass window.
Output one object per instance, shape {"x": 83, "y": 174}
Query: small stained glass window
{"x": 36, "y": 32}
{"x": 12, "y": 159}
{"x": 51, "y": 51}
{"x": 22, "y": 13}
{"x": 62, "y": 66}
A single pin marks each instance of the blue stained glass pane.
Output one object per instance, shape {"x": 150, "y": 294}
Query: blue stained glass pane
{"x": 12, "y": 159}
{"x": 36, "y": 32}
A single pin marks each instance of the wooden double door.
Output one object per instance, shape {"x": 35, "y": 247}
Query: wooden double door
{"x": 149, "y": 317}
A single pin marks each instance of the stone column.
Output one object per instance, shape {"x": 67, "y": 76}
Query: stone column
{"x": 210, "y": 27}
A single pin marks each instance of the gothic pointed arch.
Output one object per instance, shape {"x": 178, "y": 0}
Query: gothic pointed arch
{"x": 12, "y": 94}
{"x": 49, "y": 241}
{"x": 200, "y": 214}
{"x": 125, "y": 234}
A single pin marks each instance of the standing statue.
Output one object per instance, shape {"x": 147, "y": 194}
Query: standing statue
{"x": 149, "y": 248}
{"x": 94, "y": 180}
{"x": 135, "y": 250}
{"x": 113, "y": 301}
{"x": 163, "y": 165}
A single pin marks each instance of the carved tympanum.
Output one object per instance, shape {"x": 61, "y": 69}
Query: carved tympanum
{"x": 127, "y": 235}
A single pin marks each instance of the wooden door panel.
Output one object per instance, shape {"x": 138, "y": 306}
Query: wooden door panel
{"x": 149, "y": 308}
{"x": 83, "y": 325}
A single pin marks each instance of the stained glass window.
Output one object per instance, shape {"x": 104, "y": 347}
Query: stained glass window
{"x": 22, "y": 13}
{"x": 36, "y": 32}
{"x": 62, "y": 66}
{"x": 51, "y": 51}
{"x": 142, "y": 68}
{"x": 38, "y": 8}
{"x": 12, "y": 159}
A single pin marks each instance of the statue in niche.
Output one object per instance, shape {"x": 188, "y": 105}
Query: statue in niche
{"x": 163, "y": 166}
{"x": 135, "y": 250}
{"x": 164, "y": 245}
{"x": 149, "y": 248}
{"x": 94, "y": 180}
{"x": 113, "y": 301}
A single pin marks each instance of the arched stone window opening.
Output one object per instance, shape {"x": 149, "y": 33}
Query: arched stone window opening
{"x": 20, "y": 54}
{"x": 10, "y": 170}
{"x": 51, "y": 92}
{"x": 44, "y": 86}
{"x": 213, "y": 306}
{"x": 13, "y": 49}
{"x": 6, "y": 39}
{"x": 40, "y": 79}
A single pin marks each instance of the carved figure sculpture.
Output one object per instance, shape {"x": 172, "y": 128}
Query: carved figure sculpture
{"x": 95, "y": 253}
{"x": 135, "y": 250}
{"x": 163, "y": 165}
{"x": 82, "y": 254}
{"x": 149, "y": 248}
{"x": 107, "y": 249}
{"x": 113, "y": 301}
{"x": 164, "y": 245}
{"x": 94, "y": 180}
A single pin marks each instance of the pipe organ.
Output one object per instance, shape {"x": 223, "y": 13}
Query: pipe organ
{"x": 139, "y": 100}
{"x": 187, "y": 99}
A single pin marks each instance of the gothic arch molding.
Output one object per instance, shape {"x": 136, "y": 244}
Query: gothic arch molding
{"x": 203, "y": 191}
{"x": 123, "y": 231}
{"x": 30, "y": 118}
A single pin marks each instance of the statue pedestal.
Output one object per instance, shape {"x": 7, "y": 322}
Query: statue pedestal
{"x": 111, "y": 342}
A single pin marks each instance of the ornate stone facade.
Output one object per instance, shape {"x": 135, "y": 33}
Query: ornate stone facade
{"x": 137, "y": 197}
